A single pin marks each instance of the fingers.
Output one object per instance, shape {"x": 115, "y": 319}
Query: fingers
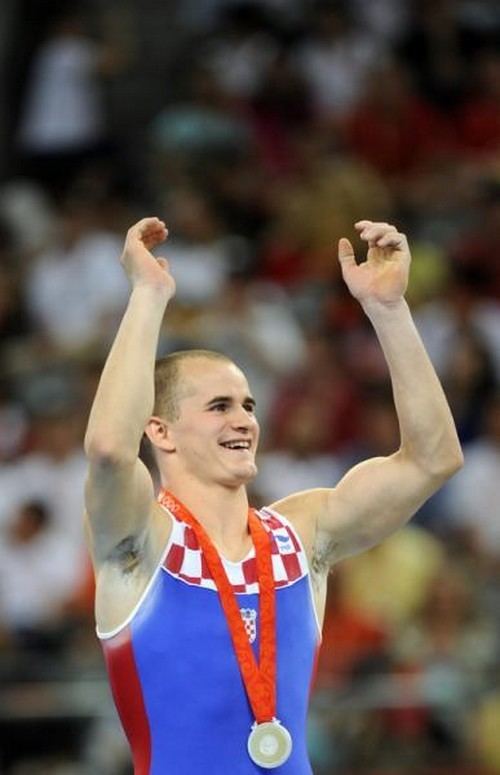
{"x": 381, "y": 235}
{"x": 146, "y": 224}
{"x": 147, "y": 232}
{"x": 346, "y": 253}
{"x": 374, "y": 232}
{"x": 148, "y": 228}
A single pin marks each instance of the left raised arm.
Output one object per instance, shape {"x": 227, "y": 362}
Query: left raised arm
{"x": 379, "y": 495}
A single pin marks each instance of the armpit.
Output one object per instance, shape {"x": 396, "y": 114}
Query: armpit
{"x": 324, "y": 552}
{"x": 127, "y": 554}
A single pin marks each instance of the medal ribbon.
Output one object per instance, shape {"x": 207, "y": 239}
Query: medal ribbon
{"x": 259, "y": 680}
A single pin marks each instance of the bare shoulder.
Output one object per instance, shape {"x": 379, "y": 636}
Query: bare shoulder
{"x": 305, "y": 510}
{"x": 123, "y": 578}
{"x": 372, "y": 500}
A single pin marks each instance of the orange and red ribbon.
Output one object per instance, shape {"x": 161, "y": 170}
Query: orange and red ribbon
{"x": 259, "y": 679}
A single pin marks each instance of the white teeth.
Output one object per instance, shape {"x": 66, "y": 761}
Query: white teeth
{"x": 236, "y": 444}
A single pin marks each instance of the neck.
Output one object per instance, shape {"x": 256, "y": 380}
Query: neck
{"x": 222, "y": 511}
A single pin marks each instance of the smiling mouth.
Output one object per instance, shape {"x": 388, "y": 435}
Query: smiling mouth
{"x": 236, "y": 445}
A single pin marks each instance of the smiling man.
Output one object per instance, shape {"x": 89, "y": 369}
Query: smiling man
{"x": 210, "y": 612}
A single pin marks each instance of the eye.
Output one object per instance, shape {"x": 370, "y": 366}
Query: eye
{"x": 219, "y": 407}
{"x": 249, "y": 407}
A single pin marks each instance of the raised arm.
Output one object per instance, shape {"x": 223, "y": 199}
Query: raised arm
{"x": 380, "y": 495}
{"x": 119, "y": 490}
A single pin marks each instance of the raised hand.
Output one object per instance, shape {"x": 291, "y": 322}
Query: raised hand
{"x": 383, "y": 277}
{"x": 141, "y": 266}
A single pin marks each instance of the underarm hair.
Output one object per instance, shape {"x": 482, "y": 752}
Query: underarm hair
{"x": 323, "y": 553}
{"x": 127, "y": 553}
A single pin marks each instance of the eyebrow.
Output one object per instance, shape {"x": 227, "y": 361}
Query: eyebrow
{"x": 229, "y": 399}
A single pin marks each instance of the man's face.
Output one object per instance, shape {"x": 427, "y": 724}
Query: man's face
{"x": 217, "y": 433}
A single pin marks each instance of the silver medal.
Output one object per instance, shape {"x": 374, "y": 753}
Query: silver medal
{"x": 269, "y": 744}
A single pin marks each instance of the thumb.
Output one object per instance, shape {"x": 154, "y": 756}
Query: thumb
{"x": 346, "y": 253}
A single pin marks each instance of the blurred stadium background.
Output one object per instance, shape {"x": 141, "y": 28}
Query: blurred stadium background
{"x": 260, "y": 131}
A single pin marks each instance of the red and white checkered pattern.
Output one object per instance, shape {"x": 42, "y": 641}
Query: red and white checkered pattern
{"x": 249, "y": 616}
{"x": 185, "y": 561}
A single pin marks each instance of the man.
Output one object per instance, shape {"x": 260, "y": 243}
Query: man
{"x": 209, "y": 624}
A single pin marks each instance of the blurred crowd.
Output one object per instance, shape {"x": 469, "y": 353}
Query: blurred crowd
{"x": 260, "y": 131}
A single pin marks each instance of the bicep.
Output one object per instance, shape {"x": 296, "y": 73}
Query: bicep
{"x": 371, "y": 501}
{"x": 118, "y": 503}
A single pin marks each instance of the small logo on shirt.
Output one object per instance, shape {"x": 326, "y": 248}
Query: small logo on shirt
{"x": 283, "y": 542}
{"x": 249, "y": 616}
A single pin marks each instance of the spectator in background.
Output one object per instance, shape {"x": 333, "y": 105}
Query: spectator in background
{"x": 13, "y": 423}
{"x": 238, "y": 188}
{"x": 63, "y": 123}
{"x": 241, "y": 50}
{"x": 435, "y": 48}
{"x": 449, "y": 633}
{"x": 439, "y": 198}
{"x": 296, "y": 246}
{"x": 472, "y": 499}
{"x": 37, "y": 578}
{"x": 377, "y": 426}
{"x": 335, "y": 57}
{"x": 253, "y": 322}
{"x": 280, "y": 112}
{"x": 449, "y": 648}
{"x": 15, "y": 316}
{"x": 302, "y": 459}
{"x": 383, "y": 19}
{"x": 74, "y": 287}
{"x": 460, "y": 306}
{"x": 475, "y": 252}
{"x": 319, "y": 381}
{"x": 479, "y": 119}
{"x": 53, "y": 469}
{"x": 391, "y": 127}
{"x": 469, "y": 380}
{"x": 29, "y": 215}
{"x": 352, "y": 637}
{"x": 201, "y": 252}
{"x": 390, "y": 582}
{"x": 196, "y": 132}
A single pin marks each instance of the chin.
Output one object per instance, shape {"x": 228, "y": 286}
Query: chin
{"x": 243, "y": 476}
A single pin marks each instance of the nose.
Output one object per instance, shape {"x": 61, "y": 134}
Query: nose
{"x": 241, "y": 419}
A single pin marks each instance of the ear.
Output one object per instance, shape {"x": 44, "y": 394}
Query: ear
{"x": 159, "y": 432}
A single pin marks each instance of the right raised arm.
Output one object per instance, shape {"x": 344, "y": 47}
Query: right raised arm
{"x": 119, "y": 492}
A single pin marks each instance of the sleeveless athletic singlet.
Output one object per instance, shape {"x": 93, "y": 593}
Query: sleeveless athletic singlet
{"x": 172, "y": 667}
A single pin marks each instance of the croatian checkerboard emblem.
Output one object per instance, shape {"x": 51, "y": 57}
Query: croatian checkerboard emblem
{"x": 249, "y": 616}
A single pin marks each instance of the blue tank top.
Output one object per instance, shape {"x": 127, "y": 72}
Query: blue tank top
{"x": 172, "y": 667}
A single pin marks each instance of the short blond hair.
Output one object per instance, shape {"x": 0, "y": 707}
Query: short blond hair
{"x": 168, "y": 379}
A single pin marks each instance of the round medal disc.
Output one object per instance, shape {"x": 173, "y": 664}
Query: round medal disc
{"x": 269, "y": 744}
